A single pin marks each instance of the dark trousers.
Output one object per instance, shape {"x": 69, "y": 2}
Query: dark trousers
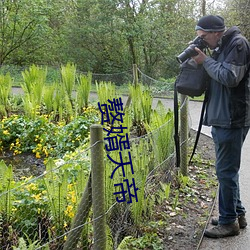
{"x": 228, "y": 145}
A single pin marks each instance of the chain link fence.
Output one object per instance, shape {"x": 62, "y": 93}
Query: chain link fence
{"x": 75, "y": 204}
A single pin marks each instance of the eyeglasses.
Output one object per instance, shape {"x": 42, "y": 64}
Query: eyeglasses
{"x": 203, "y": 36}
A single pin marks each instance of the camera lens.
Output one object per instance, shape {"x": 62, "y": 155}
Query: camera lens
{"x": 190, "y": 51}
{"x": 187, "y": 53}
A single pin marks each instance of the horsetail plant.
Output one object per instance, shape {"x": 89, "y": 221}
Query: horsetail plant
{"x": 161, "y": 126}
{"x": 56, "y": 184}
{"x": 105, "y": 91}
{"x": 33, "y": 85}
{"x": 6, "y": 184}
{"x": 141, "y": 106}
{"x": 83, "y": 91}
{"x": 68, "y": 74}
{"x": 48, "y": 98}
{"x": 5, "y": 89}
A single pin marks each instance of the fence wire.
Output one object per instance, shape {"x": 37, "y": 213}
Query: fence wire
{"x": 45, "y": 210}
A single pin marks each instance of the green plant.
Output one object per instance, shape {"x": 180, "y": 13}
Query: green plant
{"x": 83, "y": 91}
{"x": 165, "y": 190}
{"x": 161, "y": 128}
{"x": 176, "y": 199}
{"x": 56, "y": 187}
{"x": 48, "y": 98}
{"x": 5, "y": 90}
{"x": 6, "y": 196}
{"x": 141, "y": 103}
{"x": 43, "y": 137}
{"x": 34, "y": 81}
{"x": 106, "y": 91}
{"x": 184, "y": 181}
{"x": 28, "y": 244}
{"x": 30, "y": 208}
{"x": 68, "y": 74}
{"x": 147, "y": 241}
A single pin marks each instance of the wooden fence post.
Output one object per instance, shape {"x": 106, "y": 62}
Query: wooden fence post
{"x": 135, "y": 74}
{"x": 135, "y": 82}
{"x": 80, "y": 218}
{"x": 98, "y": 187}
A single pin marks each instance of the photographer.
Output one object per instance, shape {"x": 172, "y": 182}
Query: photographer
{"x": 228, "y": 112}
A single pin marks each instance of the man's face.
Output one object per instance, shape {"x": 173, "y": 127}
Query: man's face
{"x": 211, "y": 38}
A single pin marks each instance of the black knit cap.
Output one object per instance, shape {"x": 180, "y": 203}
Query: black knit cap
{"x": 210, "y": 23}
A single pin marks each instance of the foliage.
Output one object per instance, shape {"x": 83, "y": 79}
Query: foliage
{"x": 51, "y": 200}
{"x": 5, "y": 90}
{"x": 147, "y": 241}
{"x": 23, "y": 28}
{"x": 161, "y": 126}
{"x": 22, "y": 245}
{"x": 106, "y": 91}
{"x": 34, "y": 81}
{"x": 141, "y": 106}
{"x": 46, "y": 205}
{"x": 43, "y": 137}
{"x": 6, "y": 184}
{"x": 83, "y": 90}
{"x": 68, "y": 74}
{"x": 103, "y": 36}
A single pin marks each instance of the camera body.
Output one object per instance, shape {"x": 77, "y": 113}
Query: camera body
{"x": 190, "y": 51}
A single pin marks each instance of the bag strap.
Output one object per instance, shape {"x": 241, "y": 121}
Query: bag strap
{"x": 176, "y": 126}
{"x": 199, "y": 127}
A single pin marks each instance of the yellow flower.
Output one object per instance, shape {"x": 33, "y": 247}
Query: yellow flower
{"x": 17, "y": 152}
{"x": 73, "y": 199}
{"x": 14, "y": 209}
{"x": 31, "y": 187}
{"x": 6, "y": 132}
{"x": 37, "y": 196}
{"x": 38, "y": 155}
{"x": 69, "y": 211}
{"x": 45, "y": 151}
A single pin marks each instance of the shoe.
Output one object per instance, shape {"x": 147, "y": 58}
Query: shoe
{"x": 221, "y": 231}
{"x": 241, "y": 219}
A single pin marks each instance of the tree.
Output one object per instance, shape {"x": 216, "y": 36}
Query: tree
{"x": 20, "y": 22}
{"x": 237, "y": 13}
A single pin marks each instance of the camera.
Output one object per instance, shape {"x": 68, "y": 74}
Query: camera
{"x": 190, "y": 51}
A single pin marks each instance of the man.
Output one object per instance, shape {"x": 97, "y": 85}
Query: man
{"x": 228, "y": 112}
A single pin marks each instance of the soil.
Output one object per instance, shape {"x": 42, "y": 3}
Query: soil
{"x": 185, "y": 213}
{"x": 188, "y": 221}
{"x": 25, "y": 164}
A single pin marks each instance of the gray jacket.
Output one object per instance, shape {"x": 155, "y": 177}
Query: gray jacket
{"x": 228, "y": 103}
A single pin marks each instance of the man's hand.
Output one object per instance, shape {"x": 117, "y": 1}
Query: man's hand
{"x": 200, "y": 58}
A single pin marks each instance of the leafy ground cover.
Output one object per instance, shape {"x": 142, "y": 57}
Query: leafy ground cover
{"x": 196, "y": 199}
{"x": 169, "y": 213}
{"x": 180, "y": 217}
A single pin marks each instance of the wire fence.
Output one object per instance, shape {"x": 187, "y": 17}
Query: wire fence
{"x": 57, "y": 209}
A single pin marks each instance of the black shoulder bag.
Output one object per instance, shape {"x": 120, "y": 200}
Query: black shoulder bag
{"x": 191, "y": 81}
